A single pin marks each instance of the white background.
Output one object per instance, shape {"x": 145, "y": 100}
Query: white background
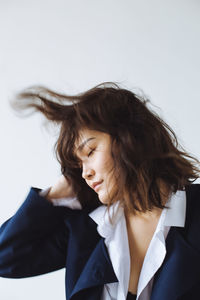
{"x": 71, "y": 46}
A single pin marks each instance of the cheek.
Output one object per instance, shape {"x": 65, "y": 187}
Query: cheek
{"x": 105, "y": 163}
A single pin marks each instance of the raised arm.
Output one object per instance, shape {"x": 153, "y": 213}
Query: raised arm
{"x": 34, "y": 241}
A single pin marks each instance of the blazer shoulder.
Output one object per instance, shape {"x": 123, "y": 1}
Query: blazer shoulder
{"x": 192, "y": 221}
{"x": 193, "y": 195}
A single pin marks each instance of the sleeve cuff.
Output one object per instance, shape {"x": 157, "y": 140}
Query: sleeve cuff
{"x": 70, "y": 202}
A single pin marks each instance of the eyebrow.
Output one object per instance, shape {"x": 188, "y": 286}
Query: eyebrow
{"x": 80, "y": 147}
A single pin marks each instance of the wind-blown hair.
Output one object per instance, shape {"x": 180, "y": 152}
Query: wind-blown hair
{"x": 144, "y": 148}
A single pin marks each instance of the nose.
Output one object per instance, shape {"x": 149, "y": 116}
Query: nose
{"x": 87, "y": 172}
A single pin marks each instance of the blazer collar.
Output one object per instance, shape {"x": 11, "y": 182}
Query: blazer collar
{"x": 181, "y": 267}
{"x": 97, "y": 271}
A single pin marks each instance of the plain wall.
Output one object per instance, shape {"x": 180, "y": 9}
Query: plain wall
{"x": 71, "y": 46}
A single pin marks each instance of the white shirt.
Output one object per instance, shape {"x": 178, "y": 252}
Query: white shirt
{"x": 116, "y": 240}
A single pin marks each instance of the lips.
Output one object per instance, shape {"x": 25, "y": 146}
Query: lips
{"x": 95, "y": 185}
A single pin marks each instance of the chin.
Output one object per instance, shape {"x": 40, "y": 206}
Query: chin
{"x": 103, "y": 199}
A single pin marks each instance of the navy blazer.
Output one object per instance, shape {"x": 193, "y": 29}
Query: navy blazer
{"x": 41, "y": 238}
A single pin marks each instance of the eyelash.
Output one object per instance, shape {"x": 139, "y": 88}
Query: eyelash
{"x": 90, "y": 152}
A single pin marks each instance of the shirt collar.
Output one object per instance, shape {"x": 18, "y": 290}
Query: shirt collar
{"x": 174, "y": 216}
{"x": 101, "y": 217}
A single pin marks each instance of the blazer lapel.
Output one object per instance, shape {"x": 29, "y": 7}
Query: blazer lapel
{"x": 97, "y": 271}
{"x": 180, "y": 269}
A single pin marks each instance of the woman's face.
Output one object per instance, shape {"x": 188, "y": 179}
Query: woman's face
{"x": 94, "y": 151}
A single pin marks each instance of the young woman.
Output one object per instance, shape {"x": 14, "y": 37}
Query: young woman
{"x": 124, "y": 216}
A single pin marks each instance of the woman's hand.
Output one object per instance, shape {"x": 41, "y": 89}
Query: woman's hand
{"x": 61, "y": 189}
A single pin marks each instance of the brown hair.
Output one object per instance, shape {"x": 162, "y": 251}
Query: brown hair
{"x": 144, "y": 148}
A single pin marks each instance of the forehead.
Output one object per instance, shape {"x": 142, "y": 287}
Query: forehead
{"x": 85, "y": 135}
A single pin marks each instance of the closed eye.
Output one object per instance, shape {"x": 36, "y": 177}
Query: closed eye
{"x": 90, "y": 152}
{"x": 79, "y": 162}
